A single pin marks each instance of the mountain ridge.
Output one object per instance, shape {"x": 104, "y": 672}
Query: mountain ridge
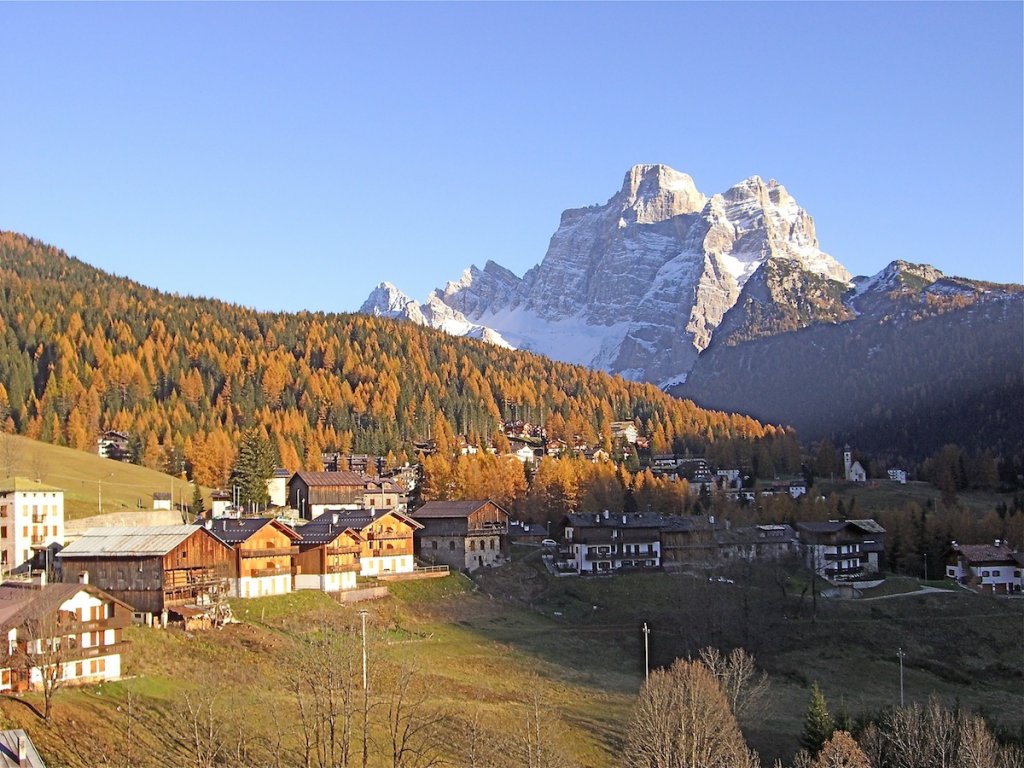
{"x": 653, "y": 270}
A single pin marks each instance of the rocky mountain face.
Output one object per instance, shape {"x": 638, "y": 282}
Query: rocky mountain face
{"x": 639, "y": 286}
{"x": 915, "y": 360}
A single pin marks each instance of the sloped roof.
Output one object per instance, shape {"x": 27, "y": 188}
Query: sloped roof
{"x": 360, "y": 518}
{"x": 689, "y": 523}
{"x": 9, "y": 750}
{"x": 986, "y": 553}
{"x": 128, "y": 542}
{"x": 23, "y": 485}
{"x": 444, "y": 509}
{"x": 323, "y": 531}
{"x": 329, "y": 479}
{"x": 232, "y": 531}
{"x": 618, "y": 520}
{"x": 833, "y": 526}
{"x": 20, "y": 602}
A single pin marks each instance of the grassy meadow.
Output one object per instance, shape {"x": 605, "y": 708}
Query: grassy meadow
{"x": 89, "y": 481}
{"x": 519, "y": 649}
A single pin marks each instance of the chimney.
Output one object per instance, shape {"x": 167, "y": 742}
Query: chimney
{"x": 22, "y": 750}
{"x": 623, "y": 519}
{"x": 83, "y": 577}
{"x": 606, "y": 514}
{"x": 209, "y": 524}
{"x": 998, "y": 542}
{"x": 334, "y": 519}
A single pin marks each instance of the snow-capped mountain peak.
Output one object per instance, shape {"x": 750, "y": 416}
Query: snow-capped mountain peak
{"x": 638, "y": 285}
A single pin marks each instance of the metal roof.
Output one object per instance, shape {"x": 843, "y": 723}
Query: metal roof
{"x": 128, "y": 542}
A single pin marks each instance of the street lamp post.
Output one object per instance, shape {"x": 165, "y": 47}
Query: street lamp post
{"x": 647, "y": 656}
{"x": 900, "y": 655}
{"x": 362, "y": 615}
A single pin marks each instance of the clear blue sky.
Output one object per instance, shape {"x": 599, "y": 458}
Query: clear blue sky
{"x": 290, "y": 156}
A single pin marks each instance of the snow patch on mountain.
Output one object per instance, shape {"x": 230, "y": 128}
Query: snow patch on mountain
{"x": 636, "y": 286}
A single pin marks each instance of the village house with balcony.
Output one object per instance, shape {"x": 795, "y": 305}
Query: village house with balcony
{"x": 465, "y": 535}
{"x": 328, "y": 557}
{"x": 386, "y": 539}
{"x": 995, "y": 567}
{"x": 843, "y": 551}
{"x": 603, "y": 542}
{"x": 31, "y": 521}
{"x": 153, "y": 568}
{"x": 263, "y": 550}
{"x": 71, "y": 632}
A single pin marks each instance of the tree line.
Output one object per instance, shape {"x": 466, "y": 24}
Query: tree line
{"x": 82, "y": 351}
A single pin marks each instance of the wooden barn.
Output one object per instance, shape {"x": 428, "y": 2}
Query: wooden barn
{"x": 311, "y": 493}
{"x": 151, "y": 568}
{"x": 464, "y": 535}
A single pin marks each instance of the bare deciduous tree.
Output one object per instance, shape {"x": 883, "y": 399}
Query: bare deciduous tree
{"x": 326, "y": 691}
{"x": 46, "y": 650}
{"x": 204, "y": 728}
{"x": 412, "y": 727}
{"x": 682, "y": 718}
{"x": 745, "y": 687}
{"x": 932, "y": 736}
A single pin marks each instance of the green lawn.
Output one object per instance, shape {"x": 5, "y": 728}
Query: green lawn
{"x": 90, "y": 483}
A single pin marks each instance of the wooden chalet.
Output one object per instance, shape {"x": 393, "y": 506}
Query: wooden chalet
{"x": 465, "y": 535}
{"x": 263, "y": 550}
{"x": 312, "y": 493}
{"x": 75, "y": 627}
{"x": 152, "y": 569}
{"x": 328, "y": 557}
{"x": 386, "y": 538}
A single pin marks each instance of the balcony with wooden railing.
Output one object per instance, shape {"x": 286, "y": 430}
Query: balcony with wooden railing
{"x": 392, "y": 552}
{"x": 257, "y": 573}
{"x": 343, "y": 567}
{"x": 354, "y": 549}
{"x": 271, "y": 552}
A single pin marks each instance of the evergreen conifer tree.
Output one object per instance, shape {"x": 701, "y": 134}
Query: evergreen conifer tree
{"x": 818, "y": 723}
{"x": 253, "y": 468}
{"x": 198, "y": 506}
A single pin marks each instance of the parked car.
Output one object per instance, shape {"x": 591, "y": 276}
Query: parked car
{"x": 549, "y": 543}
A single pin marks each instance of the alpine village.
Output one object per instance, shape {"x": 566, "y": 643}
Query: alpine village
{"x": 231, "y": 538}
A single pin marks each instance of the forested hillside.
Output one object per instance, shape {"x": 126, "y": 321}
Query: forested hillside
{"x": 82, "y": 351}
{"x": 919, "y": 368}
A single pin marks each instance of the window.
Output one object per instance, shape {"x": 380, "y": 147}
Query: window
{"x": 984, "y": 573}
{"x": 492, "y": 545}
{"x": 472, "y": 546}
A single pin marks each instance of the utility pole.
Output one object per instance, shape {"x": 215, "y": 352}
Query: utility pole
{"x": 900, "y": 654}
{"x": 99, "y": 497}
{"x": 362, "y": 615}
{"x": 926, "y": 566}
{"x": 647, "y": 656}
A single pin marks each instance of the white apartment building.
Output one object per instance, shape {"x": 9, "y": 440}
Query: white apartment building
{"x": 31, "y": 519}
